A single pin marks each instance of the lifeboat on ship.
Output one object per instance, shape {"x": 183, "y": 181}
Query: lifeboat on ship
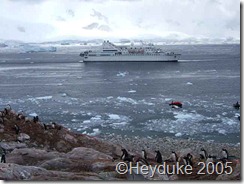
{"x": 176, "y": 104}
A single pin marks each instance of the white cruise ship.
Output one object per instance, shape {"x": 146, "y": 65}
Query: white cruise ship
{"x": 144, "y": 53}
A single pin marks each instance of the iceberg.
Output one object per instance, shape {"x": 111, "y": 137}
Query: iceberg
{"x": 26, "y": 48}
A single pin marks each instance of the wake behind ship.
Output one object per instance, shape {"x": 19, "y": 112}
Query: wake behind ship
{"x": 144, "y": 53}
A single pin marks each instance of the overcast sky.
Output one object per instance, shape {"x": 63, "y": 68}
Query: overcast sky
{"x": 44, "y": 20}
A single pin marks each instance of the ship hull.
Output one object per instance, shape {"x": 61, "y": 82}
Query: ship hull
{"x": 132, "y": 58}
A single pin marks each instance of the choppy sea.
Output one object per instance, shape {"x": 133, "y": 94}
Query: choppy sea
{"x": 130, "y": 98}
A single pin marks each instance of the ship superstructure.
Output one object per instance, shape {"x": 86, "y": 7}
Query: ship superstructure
{"x": 144, "y": 53}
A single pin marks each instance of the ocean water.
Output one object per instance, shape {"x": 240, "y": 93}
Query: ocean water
{"x": 130, "y": 98}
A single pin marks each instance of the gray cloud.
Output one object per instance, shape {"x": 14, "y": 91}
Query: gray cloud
{"x": 95, "y": 25}
{"x": 91, "y": 26}
{"x": 99, "y": 15}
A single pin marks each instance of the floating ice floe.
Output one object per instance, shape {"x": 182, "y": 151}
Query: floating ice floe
{"x": 96, "y": 131}
{"x": 178, "y": 134}
{"x": 186, "y": 117}
{"x": 120, "y": 123}
{"x": 86, "y": 121}
{"x": 122, "y": 74}
{"x": 113, "y": 116}
{"x": 221, "y": 131}
{"x": 64, "y": 95}
{"x": 97, "y": 117}
{"x": 168, "y": 99}
{"x": 224, "y": 113}
{"x": 27, "y": 48}
{"x": 40, "y": 98}
{"x": 44, "y": 98}
{"x": 129, "y": 100}
{"x": 228, "y": 121}
{"x": 33, "y": 114}
{"x": 132, "y": 91}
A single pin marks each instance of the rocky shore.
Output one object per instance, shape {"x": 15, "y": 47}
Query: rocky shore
{"x": 48, "y": 151}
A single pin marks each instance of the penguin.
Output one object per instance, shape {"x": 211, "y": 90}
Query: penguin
{"x": 144, "y": 154}
{"x": 209, "y": 159}
{"x": 6, "y": 112}
{"x": 158, "y": 157}
{"x": 3, "y": 158}
{"x": 203, "y": 154}
{"x": 20, "y": 116}
{"x": 35, "y": 119}
{"x": 189, "y": 156}
{"x": 126, "y": 156}
{"x": 45, "y": 126}
{"x": 9, "y": 107}
{"x": 185, "y": 160}
{"x": 225, "y": 154}
{"x": 17, "y": 129}
{"x": 53, "y": 125}
{"x": 174, "y": 156}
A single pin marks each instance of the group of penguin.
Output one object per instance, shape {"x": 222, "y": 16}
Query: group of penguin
{"x": 188, "y": 159}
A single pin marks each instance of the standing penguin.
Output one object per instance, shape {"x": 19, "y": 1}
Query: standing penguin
{"x": 126, "y": 156}
{"x": 144, "y": 154}
{"x": 225, "y": 154}
{"x": 209, "y": 159}
{"x": 17, "y": 129}
{"x": 174, "y": 156}
{"x": 158, "y": 157}
{"x": 2, "y": 153}
{"x": 188, "y": 159}
{"x": 203, "y": 154}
